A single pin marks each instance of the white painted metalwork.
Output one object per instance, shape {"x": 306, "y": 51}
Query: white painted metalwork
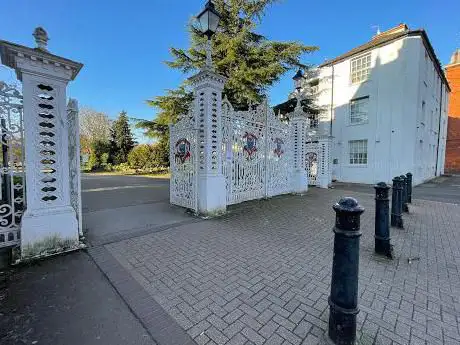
{"x": 257, "y": 153}
{"x": 324, "y": 178}
{"x": 311, "y": 162}
{"x": 184, "y": 162}
{"x": 12, "y": 182}
{"x": 74, "y": 161}
{"x": 279, "y": 155}
{"x": 299, "y": 122}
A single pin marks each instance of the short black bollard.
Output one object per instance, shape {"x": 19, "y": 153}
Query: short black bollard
{"x": 382, "y": 220}
{"x": 396, "y": 206}
{"x": 405, "y": 207}
{"x": 409, "y": 187}
{"x": 343, "y": 301}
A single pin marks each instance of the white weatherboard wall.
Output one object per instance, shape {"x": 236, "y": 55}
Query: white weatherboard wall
{"x": 395, "y": 89}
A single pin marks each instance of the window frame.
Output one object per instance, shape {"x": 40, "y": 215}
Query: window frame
{"x": 359, "y": 161}
{"x": 368, "y": 68}
{"x": 350, "y": 122}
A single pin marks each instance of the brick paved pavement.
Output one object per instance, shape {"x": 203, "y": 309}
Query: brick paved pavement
{"x": 261, "y": 274}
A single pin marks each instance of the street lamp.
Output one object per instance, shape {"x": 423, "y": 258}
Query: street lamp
{"x": 298, "y": 80}
{"x": 208, "y": 20}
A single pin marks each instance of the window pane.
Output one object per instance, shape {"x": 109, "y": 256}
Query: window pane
{"x": 358, "y": 151}
{"x": 360, "y": 68}
{"x": 358, "y": 110}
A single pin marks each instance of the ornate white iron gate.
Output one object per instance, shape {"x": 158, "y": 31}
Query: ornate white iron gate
{"x": 256, "y": 160}
{"x": 279, "y": 154}
{"x": 311, "y": 162}
{"x": 184, "y": 163}
{"x": 12, "y": 182}
{"x": 74, "y": 161}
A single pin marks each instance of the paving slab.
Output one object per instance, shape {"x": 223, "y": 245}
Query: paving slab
{"x": 261, "y": 274}
{"x": 65, "y": 300}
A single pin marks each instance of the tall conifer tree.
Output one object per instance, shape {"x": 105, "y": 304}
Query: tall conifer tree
{"x": 251, "y": 62}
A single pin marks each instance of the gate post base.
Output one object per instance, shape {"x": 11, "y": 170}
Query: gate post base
{"x": 48, "y": 231}
{"x": 300, "y": 182}
{"x": 212, "y": 195}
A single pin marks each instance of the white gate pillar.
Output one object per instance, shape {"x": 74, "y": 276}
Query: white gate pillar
{"x": 212, "y": 193}
{"x": 299, "y": 123}
{"x": 49, "y": 224}
{"x": 324, "y": 161}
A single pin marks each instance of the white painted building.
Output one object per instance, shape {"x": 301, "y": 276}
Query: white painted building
{"x": 385, "y": 104}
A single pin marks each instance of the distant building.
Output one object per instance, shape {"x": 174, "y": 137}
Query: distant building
{"x": 385, "y": 104}
{"x": 453, "y": 128}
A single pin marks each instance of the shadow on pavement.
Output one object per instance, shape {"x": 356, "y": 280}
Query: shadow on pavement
{"x": 65, "y": 300}
{"x": 442, "y": 189}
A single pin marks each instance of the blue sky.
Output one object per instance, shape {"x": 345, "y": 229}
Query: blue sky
{"x": 123, "y": 43}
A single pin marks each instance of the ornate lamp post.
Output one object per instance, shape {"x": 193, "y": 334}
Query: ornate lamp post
{"x": 208, "y": 19}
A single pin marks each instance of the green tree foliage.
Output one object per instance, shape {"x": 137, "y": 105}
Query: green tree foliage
{"x": 122, "y": 140}
{"x": 162, "y": 152}
{"x": 251, "y": 62}
{"x": 144, "y": 157}
{"x": 98, "y": 157}
{"x": 141, "y": 157}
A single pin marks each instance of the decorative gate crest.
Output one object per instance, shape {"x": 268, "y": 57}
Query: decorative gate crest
{"x": 279, "y": 147}
{"x": 251, "y": 144}
{"x": 183, "y": 150}
{"x": 12, "y": 182}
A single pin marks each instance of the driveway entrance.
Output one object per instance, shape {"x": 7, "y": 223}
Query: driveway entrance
{"x": 119, "y": 207}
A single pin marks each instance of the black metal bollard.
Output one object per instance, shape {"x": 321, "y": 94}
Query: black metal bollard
{"x": 409, "y": 187}
{"x": 396, "y": 206}
{"x": 382, "y": 220}
{"x": 405, "y": 207}
{"x": 343, "y": 301}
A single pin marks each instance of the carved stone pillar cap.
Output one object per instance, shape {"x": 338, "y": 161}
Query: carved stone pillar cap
{"x": 206, "y": 75}
{"x": 41, "y": 38}
{"x": 23, "y": 58}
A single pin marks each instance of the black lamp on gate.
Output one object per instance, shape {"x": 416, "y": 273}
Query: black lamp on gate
{"x": 298, "y": 80}
{"x": 208, "y": 20}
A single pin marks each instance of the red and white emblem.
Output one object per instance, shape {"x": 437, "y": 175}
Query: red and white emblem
{"x": 183, "y": 150}
{"x": 251, "y": 144}
{"x": 279, "y": 147}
